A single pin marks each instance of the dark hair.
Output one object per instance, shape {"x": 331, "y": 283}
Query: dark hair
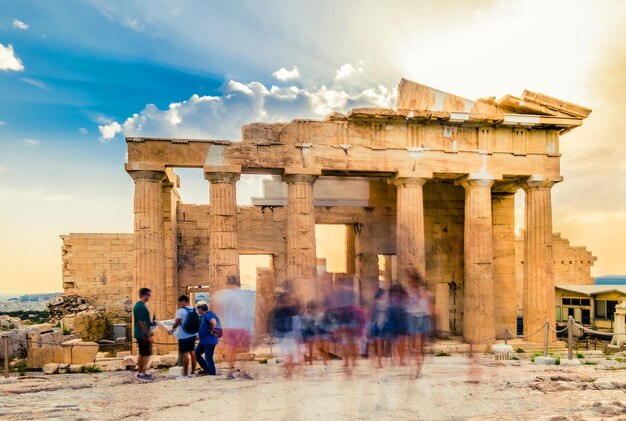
{"x": 379, "y": 293}
{"x": 183, "y": 298}
{"x": 144, "y": 291}
{"x": 203, "y": 307}
{"x": 234, "y": 280}
{"x": 415, "y": 278}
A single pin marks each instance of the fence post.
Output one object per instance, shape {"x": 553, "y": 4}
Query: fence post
{"x": 545, "y": 338}
{"x": 5, "y": 340}
{"x": 506, "y": 330}
{"x": 570, "y": 337}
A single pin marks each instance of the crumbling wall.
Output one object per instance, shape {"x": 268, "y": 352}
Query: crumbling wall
{"x": 98, "y": 267}
{"x": 572, "y": 264}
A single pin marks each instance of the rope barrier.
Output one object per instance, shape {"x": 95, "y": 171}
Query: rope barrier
{"x": 534, "y": 333}
{"x": 595, "y": 332}
{"x": 99, "y": 344}
{"x": 558, "y": 331}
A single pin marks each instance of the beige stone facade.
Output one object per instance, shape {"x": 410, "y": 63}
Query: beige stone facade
{"x": 98, "y": 267}
{"x": 430, "y": 183}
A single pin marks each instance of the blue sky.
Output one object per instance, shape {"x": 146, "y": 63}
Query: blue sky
{"x": 77, "y": 76}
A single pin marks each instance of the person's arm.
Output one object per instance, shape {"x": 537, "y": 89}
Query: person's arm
{"x": 177, "y": 323}
{"x": 144, "y": 328}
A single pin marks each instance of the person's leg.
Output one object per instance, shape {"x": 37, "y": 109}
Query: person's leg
{"x": 185, "y": 363}
{"x": 209, "y": 349}
{"x": 379, "y": 352}
{"x": 192, "y": 357}
{"x": 199, "y": 350}
{"x": 140, "y": 364}
{"x": 310, "y": 352}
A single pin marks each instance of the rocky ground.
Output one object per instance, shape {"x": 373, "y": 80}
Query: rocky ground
{"x": 450, "y": 388}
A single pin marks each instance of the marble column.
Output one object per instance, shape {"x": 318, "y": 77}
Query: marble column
{"x": 538, "y": 296}
{"x": 223, "y": 244}
{"x": 504, "y": 279}
{"x": 301, "y": 253}
{"x": 478, "y": 305}
{"x": 149, "y": 244}
{"x": 410, "y": 243}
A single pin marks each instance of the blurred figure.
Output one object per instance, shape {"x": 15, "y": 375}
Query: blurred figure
{"x": 323, "y": 328}
{"x": 286, "y": 326}
{"x": 208, "y": 338}
{"x": 419, "y": 309}
{"x": 396, "y": 321}
{"x": 308, "y": 328}
{"x": 347, "y": 318}
{"x": 377, "y": 323}
{"x": 232, "y": 308}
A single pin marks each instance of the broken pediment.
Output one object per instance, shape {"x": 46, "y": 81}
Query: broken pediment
{"x": 415, "y": 96}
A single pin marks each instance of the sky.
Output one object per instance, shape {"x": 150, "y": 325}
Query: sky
{"x": 78, "y": 76}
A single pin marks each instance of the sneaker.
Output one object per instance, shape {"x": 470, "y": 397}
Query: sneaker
{"x": 144, "y": 376}
{"x": 245, "y": 376}
{"x": 191, "y": 376}
{"x": 181, "y": 377}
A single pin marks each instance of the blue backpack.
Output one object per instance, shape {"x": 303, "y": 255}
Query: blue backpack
{"x": 191, "y": 324}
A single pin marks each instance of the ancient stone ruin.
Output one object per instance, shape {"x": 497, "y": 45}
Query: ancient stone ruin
{"x": 429, "y": 185}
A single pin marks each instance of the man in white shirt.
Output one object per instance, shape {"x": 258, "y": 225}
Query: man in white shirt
{"x": 186, "y": 340}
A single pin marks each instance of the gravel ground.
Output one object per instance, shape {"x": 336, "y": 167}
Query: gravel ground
{"x": 450, "y": 388}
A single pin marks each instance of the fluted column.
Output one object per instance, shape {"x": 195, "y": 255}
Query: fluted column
{"x": 149, "y": 245}
{"x": 538, "y": 295}
{"x": 504, "y": 292}
{"x": 410, "y": 246}
{"x": 223, "y": 242}
{"x": 301, "y": 256}
{"x": 149, "y": 242}
{"x": 478, "y": 305}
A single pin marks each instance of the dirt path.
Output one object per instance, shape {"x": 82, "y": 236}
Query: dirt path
{"x": 450, "y": 388}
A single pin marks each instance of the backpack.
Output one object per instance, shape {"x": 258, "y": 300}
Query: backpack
{"x": 192, "y": 321}
{"x": 217, "y": 330}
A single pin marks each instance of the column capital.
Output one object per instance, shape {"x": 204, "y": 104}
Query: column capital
{"x": 148, "y": 172}
{"x": 405, "y": 178}
{"x": 222, "y": 173}
{"x": 293, "y": 175}
{"x": 539, "y": 182}
{"x": 476, "y": 180}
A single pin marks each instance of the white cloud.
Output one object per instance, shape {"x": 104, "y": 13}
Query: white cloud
{"x": 4, "y": 169}
{"x": 348, "y": 70}
{"x": 83, "y": 130}
{"x": 8, "y": 59}
{"x": 283, "y": 74}
{"x": 18, "y": 24}
{"x": 221, "y": 117}
{"x": 108, "y": 131}
{"x": 34, "y": 82}
{"x": 2, "y": 123}
{"x": 32, "y": 142}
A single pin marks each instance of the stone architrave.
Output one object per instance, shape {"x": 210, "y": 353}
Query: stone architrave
{"x": 538, "y": 294}
{"x": 301, "y": 253}
{"x": 410, "y": 242}
{"x": 478, "y": 305}
{"x": 223, "y": 242}
{"x": 149, "y": 245}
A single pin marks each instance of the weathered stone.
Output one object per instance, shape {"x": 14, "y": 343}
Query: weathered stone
{"x": 128, "y": 362}
{"x": 76, "y": 368}
{"x": 79, "y": 352}
{"x": 50, "y": 368}
{"x": 64, "y": 368}
{"x": 39, "y": 357}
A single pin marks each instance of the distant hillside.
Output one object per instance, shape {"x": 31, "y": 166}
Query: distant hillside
{"x": 611, "y": 280}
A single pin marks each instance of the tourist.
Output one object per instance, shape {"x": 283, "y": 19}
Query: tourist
{"x": 308, "y": 329}
{"x": 419, "y": 310}
{"x": 377, "y": 323}
{"x": 231, "y": 306}
{"x": 185, "y": 328}
{"x": 143, "y": 333}
{"x": 323, "y": 330}
{"x": 348, "y": 321}
{"x": 208, "y": 338}
{"x": 285, "y": 326}
{"x": 396, "y": 321}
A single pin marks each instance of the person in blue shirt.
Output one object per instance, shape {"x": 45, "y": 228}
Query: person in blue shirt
{"x": 208, "y": 340}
